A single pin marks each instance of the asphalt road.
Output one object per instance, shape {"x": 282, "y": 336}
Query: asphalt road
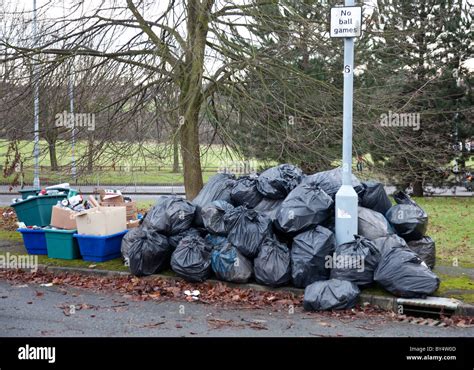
{"x": 33, "y": 310}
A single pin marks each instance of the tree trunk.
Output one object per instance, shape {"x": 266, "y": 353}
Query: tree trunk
{"x": 418, "y": 188}
{"x": 191, "y": 156}
{"x": 175, "y": 154}
{"x": 157, "y": 121}
{"x": 52, "y": 156}
{"x": 191, "y": 96}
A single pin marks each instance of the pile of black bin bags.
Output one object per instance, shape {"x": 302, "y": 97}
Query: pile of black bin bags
{"x": 277, "y": 228}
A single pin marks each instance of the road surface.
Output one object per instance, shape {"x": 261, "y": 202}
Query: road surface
{"x": 33, "y": 310}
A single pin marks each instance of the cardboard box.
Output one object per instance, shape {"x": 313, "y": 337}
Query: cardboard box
{"x": 133, "y": 224}
{"x": 63, "y": 218}
{"x": 111, "y": 196}
{"x": 101, "y": 221}
{"x": 131, "y": 208}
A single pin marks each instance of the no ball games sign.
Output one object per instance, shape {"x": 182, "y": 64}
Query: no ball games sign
{"x": 346, "y": 21}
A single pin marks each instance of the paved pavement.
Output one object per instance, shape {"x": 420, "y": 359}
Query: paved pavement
{"x": 33, "y": 310}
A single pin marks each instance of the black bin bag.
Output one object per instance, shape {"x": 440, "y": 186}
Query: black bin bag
{"x": 356, "y": 261}
{"x": 309, "y": 253}
{"x": 213, "y": 216}
{"x": 330, "y": 181}
{"x": 372, "y": 224}
{"x": 272, "y": 266}
{"x": 218, "y": 187}
{"x": 175, "y": 239}
{"x": 230, "y": 265}
{"x": 425, "y": 248}
{"x": 215, "y": 241}
{"x": 192, "y": 259}
{"x": 375, "y": 197}
{"x": 245, "y": 192}
{"x": 170, "y": 216}
{"x": 149, "y": 252}
{"x": 269, "y": 207}
{"x": 306, "y": 206}
{"x": 404, "y": 274}
{"x": 277, "y": 182}
{"x": 247, "y": 230}
{"x": 408, "y": 219}
{"x": 330, "y": 295}
{"x": 388, "y": 242}
{"x": 127, "y": 241}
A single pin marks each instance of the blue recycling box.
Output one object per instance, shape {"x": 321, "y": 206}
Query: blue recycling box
{"x": 100, "y": 248}
{"x": 34, "y": 240}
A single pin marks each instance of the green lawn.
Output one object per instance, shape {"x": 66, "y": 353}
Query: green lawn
{"x": 156, "y": 157}
{"x": 113, "y": 265}
{"x": 99, "y": 178}
{"x": 451, "y": 225}
{"x": 122, "y": 154}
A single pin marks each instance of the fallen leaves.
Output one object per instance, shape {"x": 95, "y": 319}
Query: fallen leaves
{"x": 156, "y": 288}
{"x": 155, "y": 295}
{"x": 221, "y": 323}
{"x": 172, "y": 291}
{"x": 459, "y": 321}
{"x": 217, "y": 323}
{"x": 8, "y": 219}
{"x": 153, "y": 324}
{"x": 258, "y": 326}
{"x": 322, "y": 323}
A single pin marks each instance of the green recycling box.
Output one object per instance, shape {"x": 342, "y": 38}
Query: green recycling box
{"x": 25, "y": 193}
{"x": 61, "y": 244}
{"x": 36, "y": 210}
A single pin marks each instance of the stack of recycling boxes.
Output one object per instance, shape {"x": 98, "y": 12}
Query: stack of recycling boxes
{"x": 100, "y": 231}
{"x": 60, "y": 223}
{"x": 60, "y": 239}
{"x": 34, "y": 210}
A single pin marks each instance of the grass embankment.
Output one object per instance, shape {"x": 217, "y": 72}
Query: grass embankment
{"x": 129, "y": 163}
{"x": 451, "y": 221}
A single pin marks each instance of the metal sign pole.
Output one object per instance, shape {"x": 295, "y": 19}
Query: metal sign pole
{"x": 71, "y": 108}
{"x": 346, "y": 197}
{"x": 36, "y": 180}
{"x": 73, "y": 130}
